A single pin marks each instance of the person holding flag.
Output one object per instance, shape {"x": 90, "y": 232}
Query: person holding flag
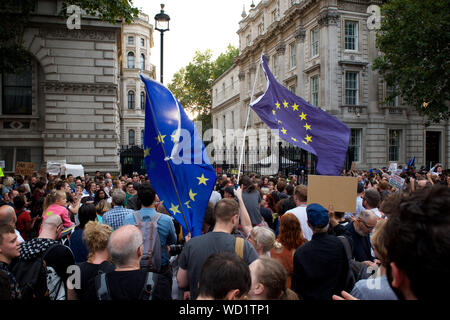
{"x": 303, "y": 125}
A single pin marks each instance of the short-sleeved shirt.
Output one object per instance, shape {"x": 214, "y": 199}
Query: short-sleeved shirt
{"x": 87, "y": 290}
{"x": 198, "y": 249}
{"x": 115, "y": 216}
{"x": 166, "y": 230}
{"x": 251, "y": 201}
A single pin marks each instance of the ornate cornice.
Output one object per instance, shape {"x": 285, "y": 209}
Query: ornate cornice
{"x": 79, "y": 88}
{"x": 328, "y": 17}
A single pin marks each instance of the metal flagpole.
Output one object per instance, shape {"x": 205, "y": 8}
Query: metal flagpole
{"x": 168, "y": 165}
{"x": 246, "y": 124}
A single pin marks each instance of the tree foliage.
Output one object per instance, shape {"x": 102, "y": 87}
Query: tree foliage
{"x": 192, "y": 84}
{"x": 16, "y": 14}
{"x": 414, "y": 40}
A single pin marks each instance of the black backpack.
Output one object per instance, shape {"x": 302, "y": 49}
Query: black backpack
{"x": 357, "y": 270}
{"x": 31, "y": 275}
{"x": 101, "y": 285}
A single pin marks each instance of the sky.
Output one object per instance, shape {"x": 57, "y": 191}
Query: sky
{"x": 194, "y": 25}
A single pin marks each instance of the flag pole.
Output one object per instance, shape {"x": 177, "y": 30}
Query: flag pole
{"x": 167, "y": 162}
{"x": 246, "y": 125}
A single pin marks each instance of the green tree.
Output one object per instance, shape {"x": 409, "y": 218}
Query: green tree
{"x": 414, "y": 40}
{"x": 16, "y": 14}
{"x": 192, "y": 84}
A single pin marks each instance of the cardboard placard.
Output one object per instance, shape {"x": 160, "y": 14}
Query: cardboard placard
{"x": 24, "y": 168}
{"x": 396, "y": 181}
{"x": 335, "y": 190}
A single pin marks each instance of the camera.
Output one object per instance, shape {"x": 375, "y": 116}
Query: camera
{"x": 175, "y": 249}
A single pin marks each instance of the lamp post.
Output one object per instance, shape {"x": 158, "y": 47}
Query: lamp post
{"x": 162, "y": 25}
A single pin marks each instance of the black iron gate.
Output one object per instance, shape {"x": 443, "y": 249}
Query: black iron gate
{"x": 132, "y": 160}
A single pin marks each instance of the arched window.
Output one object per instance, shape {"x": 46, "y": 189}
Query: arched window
{"x": 142, "y": 136}
{"x": 142, "y": 100}
{"x": 130, "y": 99}
{"x": 131, "y": 139}
{"x": 130, "y": 61}
{"x": 142, "y": 62}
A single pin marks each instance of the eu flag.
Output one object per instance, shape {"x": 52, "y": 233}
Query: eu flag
{"x": 303, "y": 125}
{"x": 175, "y": 158}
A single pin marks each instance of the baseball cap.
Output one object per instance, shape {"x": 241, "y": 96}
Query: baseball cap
{"x": 317, "y": 215}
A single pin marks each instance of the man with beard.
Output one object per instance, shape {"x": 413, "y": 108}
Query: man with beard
{"x": 198, "y": 249}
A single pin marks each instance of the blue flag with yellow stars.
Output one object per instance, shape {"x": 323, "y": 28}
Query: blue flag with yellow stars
{"x": 303, "y": 125}
{"x": 175, "y": 158}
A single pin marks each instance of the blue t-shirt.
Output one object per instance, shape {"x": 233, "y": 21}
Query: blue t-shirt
{"x": 166, "y": 230}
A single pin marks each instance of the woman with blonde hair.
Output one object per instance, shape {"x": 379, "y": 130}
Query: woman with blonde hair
{"x": 290, "y": 238}
{"x": 96, "y": 236}
{"x": 262, "y": 239}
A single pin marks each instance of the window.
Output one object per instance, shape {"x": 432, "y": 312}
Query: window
{"x": 315, "y": 91}
{"x": 260, "y": 29}
{"x": 292, "y": 88}
{"x": 351, "y": 88}
{"x": 351, "y": 35}
{"x": 274, "y": 15}
{"x": 275, "y": 65}
{"x": 142, "y": 42}
{"x": 131, "y": 40}
{"x": 16, "y": 92}
{"x": 130, "y": 61}
{"x": 314, "y": 42}
{"x": 223, "y": 89}
{"x": 391, "y": 91}
{"x": 131, "y": 139}
{"x": 142, "y": 62}
{"x": 142, "y": 100}
{"x": 232, "y": 83}
{"x": 130, "y": 99}
{"x": 249, "y": 81}
{"x": 248, "y": 40}
{"x": 232, "y": 119}
{"x": 292, "y": 55}
{"x": 142, "y": 136}
{"x": 394, "y": 145}
{"x": 355, "y": 145}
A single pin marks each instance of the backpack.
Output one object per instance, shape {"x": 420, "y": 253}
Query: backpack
{"x": 357, "y": 269}
{"x": 151, "y": 257}
{"x": 36, "y": 280}
{"x": 103, "y": 290}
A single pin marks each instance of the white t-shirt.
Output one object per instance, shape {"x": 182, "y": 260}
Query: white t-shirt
{"x": 300, "y": 213}
{"x": 19, "y": 237}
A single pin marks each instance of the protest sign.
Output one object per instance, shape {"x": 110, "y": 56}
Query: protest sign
{"x": 396, "y": 181}
{"x": 335, "y": 190}
{"x": 2, "y": 164}
{"x": 24, "y": 168}
{"x": 393, "y": 166}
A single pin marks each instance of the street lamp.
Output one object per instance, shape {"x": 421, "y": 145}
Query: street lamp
{"x": 162, "y": 25}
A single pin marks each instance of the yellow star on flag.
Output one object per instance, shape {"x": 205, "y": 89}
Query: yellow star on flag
{"x": 202, "y": 180}
{"x": 303, "y": 116}
{"x": 293, "y": 139}
{"x": 147, "y": 152}
{"x": 187, "y": 204}
{"x": 307, "y": 127}
{"x": 308, "y": 138}
{"x": 160, "y": 138}
{"x": 425, "y": 104}
{"x": 277, "y": 105}
{"x": 286, "y": 104}
{"x": 280, "y": 122}
{"x": 274, "y": 112}
{"x": 174, "y": 209}
{"x": 304, "y": 142}
{"x": 192, "y": 195}
{"x": 283, "y": 130}
{"x": 295, "y": 107}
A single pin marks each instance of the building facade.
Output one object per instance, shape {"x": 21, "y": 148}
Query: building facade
{"x": 322, "y": 50}
{"x": 71, "y": 102}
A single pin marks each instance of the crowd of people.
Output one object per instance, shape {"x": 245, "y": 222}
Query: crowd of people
{"x": 261, "y": 240}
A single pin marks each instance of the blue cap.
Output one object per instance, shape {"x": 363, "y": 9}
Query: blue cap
{"x": 317, "y": 215}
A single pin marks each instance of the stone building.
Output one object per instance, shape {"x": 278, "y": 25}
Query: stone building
{"x": 322, "y": 50}
{"x": 71, "y": 103}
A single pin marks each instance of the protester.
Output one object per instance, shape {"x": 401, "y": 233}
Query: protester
{"x": 320, "y": 265}
{"x": 117, "y": 214}
{"x": 8, "y": 216}
{"x": 96, "y": 237}
{"x": 252, "y": 200}
{"x": 167, "y": 237}
{"x": 300, "y": 198}
{"x": 290, "y": 238}
{"x": 9, "y": 249}
{"x": 262, "y": 239}
{"x": 268, "y": 280}
{"x": 198, "y": 249}
{"x": 224, "y": 276}
{"x": 360, "y": 231}
{"x": 127, "y": 281}
{"x": 24, "y": 222}
{"x": 78, "y": 246}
